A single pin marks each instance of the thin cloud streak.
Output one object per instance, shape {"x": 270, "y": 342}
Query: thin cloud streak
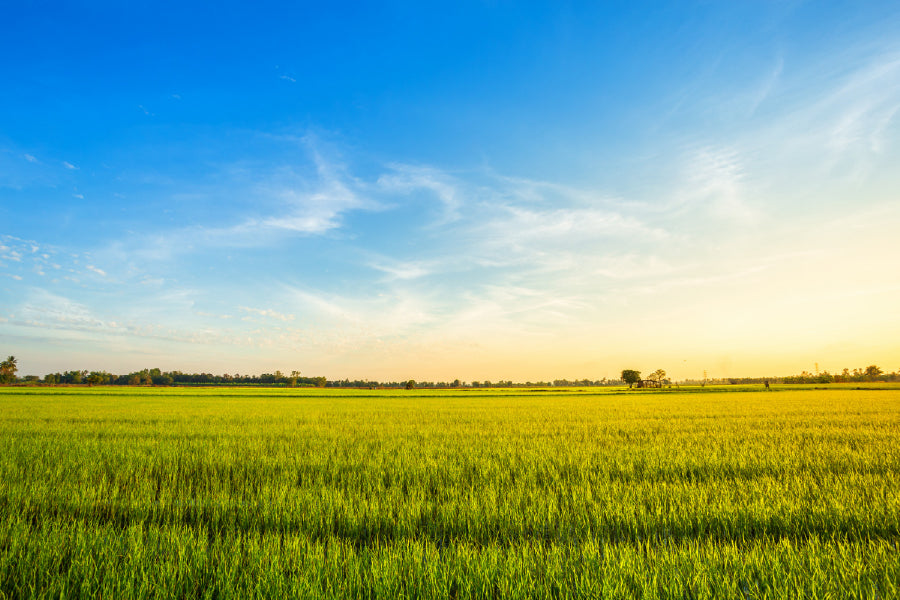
{"x": 767, "y": 86}
{"x": 407, "y": 178}
{"x": 267, "y": 312}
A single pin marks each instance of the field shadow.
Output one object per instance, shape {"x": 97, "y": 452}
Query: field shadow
{"x": 236, "y": 521}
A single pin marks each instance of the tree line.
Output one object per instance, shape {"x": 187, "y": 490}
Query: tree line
{"x": 158, "y": 377}
{"x": 631, "y": 377}
{"x": 870, "y": 373}
{"x": 457, "y": 383}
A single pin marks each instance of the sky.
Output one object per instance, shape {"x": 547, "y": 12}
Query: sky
{"x": 474, "y": 190}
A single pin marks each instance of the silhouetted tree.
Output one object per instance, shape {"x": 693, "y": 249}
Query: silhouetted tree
{"x": 631, "y": 377}
{"x": 872, "y": 372}
{"x": 8, "y": 370}
{"x": 658, "y": 375}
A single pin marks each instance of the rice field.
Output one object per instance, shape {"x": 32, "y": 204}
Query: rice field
{"x": 593, "y": 493}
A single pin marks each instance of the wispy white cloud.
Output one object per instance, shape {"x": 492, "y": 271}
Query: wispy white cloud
{"x": 69, "y": 165}
{"x": 389, "y": 312}
{"x": 842, "y": 122}
{"x": 524, "y": 226}
{"x": 631, "y": 266}
{"x": 43, "y": 306}
{"x": 61, "y": 317}
{"x": 715, "y": 180}
{"x": 267, "y": 312}
{"x": 204, "y": 313}
{"x": 525, "y": 191}
{"x": 293, "y": 202}
{"x": 318, "y": 206}
{"x": 407, "y": 178}
{"x": 30, "y": 158}
{"x": 864, "y": 107}
{"x": 403, "y": 269}
{"x": 766, "y": 86}
{"x": 309, "y": 213}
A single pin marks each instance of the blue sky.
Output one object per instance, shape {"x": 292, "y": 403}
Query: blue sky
{"x": 481, "y": 190}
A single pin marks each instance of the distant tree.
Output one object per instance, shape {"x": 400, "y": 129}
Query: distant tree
{"x": 631, "y": 377}
{"x": 658, "y": 375}
{"x": 8, "y": 370}
{"x": 74, "y": 376}
{"x": 162, "y": 379}
{"x": 411, "y": 384}
{"x": 872, "y": 372}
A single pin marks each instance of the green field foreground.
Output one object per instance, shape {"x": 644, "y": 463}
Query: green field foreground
{"x": 237, "y": 493}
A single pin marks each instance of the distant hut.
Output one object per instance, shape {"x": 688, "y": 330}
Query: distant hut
{"x": 649, "y": 383}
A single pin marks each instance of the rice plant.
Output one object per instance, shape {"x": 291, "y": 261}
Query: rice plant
{"x": 136, "y": 493}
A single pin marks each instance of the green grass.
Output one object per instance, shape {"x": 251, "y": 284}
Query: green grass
{"x": 697, "y": 493}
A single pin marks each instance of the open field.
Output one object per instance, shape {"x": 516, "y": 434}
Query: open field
{"x": 127, "y": 493}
